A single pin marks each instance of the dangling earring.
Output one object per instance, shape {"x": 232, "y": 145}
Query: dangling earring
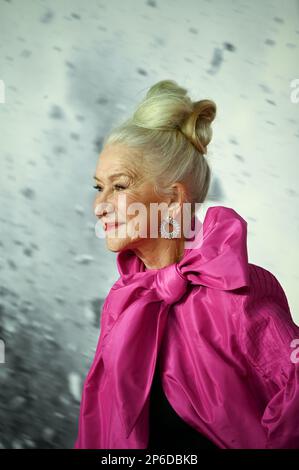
{"x": 176, "y": 228}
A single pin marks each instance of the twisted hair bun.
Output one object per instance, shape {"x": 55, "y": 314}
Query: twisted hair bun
{"x": 197, "y": 127}
{"x": 170, "y": 132}
{"x": 167, "y": 106}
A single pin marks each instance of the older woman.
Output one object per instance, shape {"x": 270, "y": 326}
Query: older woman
{"x": 197, "y": 345}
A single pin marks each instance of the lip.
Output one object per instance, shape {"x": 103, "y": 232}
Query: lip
{"x": 111, "y": 225}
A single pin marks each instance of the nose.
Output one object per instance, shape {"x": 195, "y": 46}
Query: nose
{"x": 101, "y": 209}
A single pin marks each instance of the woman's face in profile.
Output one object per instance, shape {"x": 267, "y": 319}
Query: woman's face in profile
{"x": 125, "y": 194}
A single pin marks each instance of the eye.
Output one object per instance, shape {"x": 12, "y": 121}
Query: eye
{"x": 97, "y": 187}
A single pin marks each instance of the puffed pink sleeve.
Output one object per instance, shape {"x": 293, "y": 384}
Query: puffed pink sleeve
{"x": 268, "y": 340}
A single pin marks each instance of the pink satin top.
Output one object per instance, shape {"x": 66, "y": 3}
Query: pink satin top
{"x": 225, "y": 337}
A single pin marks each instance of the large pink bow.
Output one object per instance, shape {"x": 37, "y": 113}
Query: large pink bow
{"x": 138, "y": 304}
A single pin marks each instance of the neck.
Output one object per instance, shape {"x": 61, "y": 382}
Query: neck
{"x": 161, "y": 252}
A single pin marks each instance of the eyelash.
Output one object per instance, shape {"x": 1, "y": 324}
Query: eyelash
{"x": 99, "y": 188}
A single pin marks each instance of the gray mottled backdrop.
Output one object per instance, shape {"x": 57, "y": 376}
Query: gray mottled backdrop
{"x": 72, "y": 69}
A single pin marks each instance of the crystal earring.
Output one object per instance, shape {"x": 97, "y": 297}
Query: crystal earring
{"x": 176, "y": 228}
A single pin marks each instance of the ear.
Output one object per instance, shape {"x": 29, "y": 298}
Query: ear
{"x": 179, "y": 193}
{"x": 178, "y": 198}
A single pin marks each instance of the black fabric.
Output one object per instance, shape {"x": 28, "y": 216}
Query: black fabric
{"x": 167, "y": 430}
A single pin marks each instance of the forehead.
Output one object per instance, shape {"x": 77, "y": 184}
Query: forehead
{"x": 115, "y": 158}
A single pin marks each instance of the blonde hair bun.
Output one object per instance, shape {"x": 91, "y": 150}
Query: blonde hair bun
{"x": 167, "y": 106}
{"x": 171, "y": 134}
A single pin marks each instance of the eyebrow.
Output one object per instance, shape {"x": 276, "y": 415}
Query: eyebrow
{"x": 110, "y": 177}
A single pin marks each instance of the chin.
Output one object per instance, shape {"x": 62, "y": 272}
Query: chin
{"x": 117, "y": 244}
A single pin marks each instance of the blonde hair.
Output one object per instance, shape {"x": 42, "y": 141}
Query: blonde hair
{"x": 172, "y": 134}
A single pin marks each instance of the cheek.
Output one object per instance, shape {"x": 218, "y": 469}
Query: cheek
{"x": 133, "y": 207}
{"x": 121, "y": 205}
{"x": 129, "y": 205}
{"x": 135, "y": 212}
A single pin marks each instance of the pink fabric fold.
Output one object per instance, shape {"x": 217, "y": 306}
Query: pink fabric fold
{"x": 221, "y": 328}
